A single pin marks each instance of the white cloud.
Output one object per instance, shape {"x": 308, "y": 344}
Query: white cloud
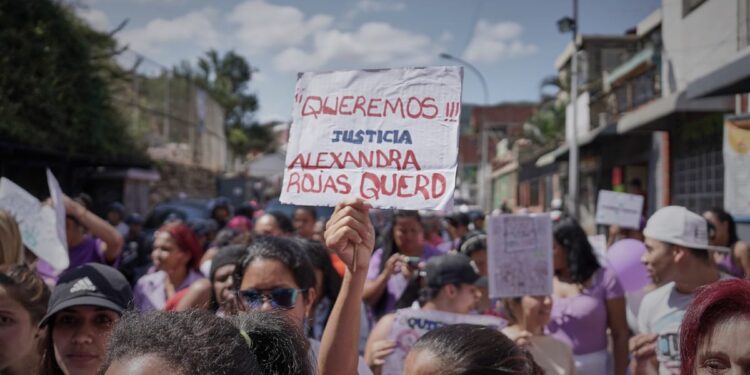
{"x": 374, "y": 44}
{"x": 162, "y": 2}
{"x": 264, "y": 26}
{"x": 95, "y": 18}
{"x": 380, "y": 6}
{"x": 195, "y": 27}
{"x": 494, "y": 42}
{"x": 373, "y": 6}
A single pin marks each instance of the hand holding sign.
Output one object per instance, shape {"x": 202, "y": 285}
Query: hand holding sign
{"x": 350, "y": 234}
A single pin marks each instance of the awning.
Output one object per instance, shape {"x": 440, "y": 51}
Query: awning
{"x": 655, "y": 115}
{"x": 583, "y": 140}
{"x": 731, "y": 78}
{"x": 646, "y": 56}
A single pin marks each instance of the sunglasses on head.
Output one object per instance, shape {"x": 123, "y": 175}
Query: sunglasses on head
{"x": 280, "y": 298}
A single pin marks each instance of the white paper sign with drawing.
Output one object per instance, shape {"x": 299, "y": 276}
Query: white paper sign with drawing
{"x": 519, "y": 255}
{"x": 614, "y": 208}
{"x": 388, "y": 136}
{"x": 410, "y": 324}
{"x": 58, "y": 201}
{"x": 37, "y": 222}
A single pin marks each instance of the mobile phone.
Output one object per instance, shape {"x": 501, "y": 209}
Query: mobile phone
{"x": 412, "y": 261}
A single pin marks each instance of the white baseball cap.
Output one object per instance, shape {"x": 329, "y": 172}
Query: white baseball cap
{"x": 678, "y": 226}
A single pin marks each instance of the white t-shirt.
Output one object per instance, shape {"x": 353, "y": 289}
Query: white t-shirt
{"x": 661, "y": 313}
{"x": 362, "y": 368}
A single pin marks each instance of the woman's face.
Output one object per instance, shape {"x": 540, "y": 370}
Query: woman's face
{"x": 80, "y": 337}
{"x": 724, "y": 351}
{"x": 536, "y": 309}
{"x": 721, "y": 237}
{"x": 465, "y": 299}
{"x": 268, "y": 274}
{"x": 408, "y": 235}
{"x": 167, "y": 256}
{"x": 18, "y": 335}
{"x": 222, "y": 283}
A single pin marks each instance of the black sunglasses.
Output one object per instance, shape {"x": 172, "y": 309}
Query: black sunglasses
{"x": 280, "y": 298}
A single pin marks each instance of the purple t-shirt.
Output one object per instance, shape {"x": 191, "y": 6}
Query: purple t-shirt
{"x": 581, "y": 321}
{"x": 396, "y": 283}
{"x": 150, "y": 291}
{"x": 88, "y": 251}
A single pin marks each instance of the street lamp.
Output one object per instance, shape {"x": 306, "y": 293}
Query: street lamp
{"x": 483, "y": 173}
{"x": 567, "y": 24}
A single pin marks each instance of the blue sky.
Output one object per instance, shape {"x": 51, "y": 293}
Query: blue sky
{"x": 513, "y": 43}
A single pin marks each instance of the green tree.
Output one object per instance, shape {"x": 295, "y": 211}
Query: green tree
{"x": 227, "y": 78}
{"x": 548, "y": 123}
{"x": 56, "y": 77}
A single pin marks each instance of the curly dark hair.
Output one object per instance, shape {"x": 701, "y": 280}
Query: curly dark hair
{"x": 279, "y": 345}
{"x": 582, "y": 262}
{"x": 193, "y": 342}
{"x": 465, "y": 349}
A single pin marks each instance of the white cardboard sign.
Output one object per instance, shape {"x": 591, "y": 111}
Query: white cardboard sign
{"x": 388, "y": 136}
{"x": 614, "y": 208}
{"x": 410, "y": 324}
{"x": 37, "y": 222}
{"x": 519, "y": 255}
{"x": 59, "y": 204}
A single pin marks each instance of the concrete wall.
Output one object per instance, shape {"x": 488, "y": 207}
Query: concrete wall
{"x": 698, "y": 43}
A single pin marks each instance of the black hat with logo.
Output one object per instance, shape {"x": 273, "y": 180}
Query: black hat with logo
{"x": 91, "y": 284}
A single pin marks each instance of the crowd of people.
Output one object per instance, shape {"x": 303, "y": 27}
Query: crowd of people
{"x": 254, "y": 292}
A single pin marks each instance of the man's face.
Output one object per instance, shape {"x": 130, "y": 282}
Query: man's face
{"x": 659, "y": 261}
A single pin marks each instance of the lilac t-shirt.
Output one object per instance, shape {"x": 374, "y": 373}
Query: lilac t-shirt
{"x": 396, "y": 283}
{"x": 581, "y": 321}
{"x": 88, "y": 251}
{"x": 150, "y": 291}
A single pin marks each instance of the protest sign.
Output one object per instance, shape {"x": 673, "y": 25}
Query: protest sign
{"x": 388, "y": 136}
{"x": 736, "y": 165}
{"x": 58, "y": 201}
{"x": 519, "y": 255}
{"x": 410, "y": 324}
{"x": 613, "y": 208}
{"x": 37, "y": 223}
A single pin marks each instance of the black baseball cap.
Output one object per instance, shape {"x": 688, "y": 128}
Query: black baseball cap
{"x": 452, "y": 269}
{"x": 91, "y": 284}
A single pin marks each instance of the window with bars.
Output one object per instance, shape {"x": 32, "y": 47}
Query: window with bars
{"x": 698, "y": 181}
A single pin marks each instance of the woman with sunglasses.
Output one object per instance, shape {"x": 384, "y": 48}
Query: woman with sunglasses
{"x": 276, "y": 275}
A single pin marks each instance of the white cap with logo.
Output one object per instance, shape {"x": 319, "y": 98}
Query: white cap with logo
{"x": 678, "y": 226}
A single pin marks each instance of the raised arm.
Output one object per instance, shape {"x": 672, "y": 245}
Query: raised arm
{"x": 101, "y": 229}
{"x": 350, "y": 234}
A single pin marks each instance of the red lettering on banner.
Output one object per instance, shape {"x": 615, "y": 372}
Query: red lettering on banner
{"x": 432, "y": 106}
{"x": 397, "y": 105}
{"x": 391, "y": 158}
{"x": 409, "y": 106}
{"x": 406, "y": 108}
{"x": 342, "y": 105}
{"x": 318, "y": 183}
{"x": 376, "y": 186}
{"x": 359, "y": 104}
{"x": 373, "y": 106}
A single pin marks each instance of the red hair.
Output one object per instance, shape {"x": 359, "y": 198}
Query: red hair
{"x": 186, "y": 241}
{"x": 713, "y": 304}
